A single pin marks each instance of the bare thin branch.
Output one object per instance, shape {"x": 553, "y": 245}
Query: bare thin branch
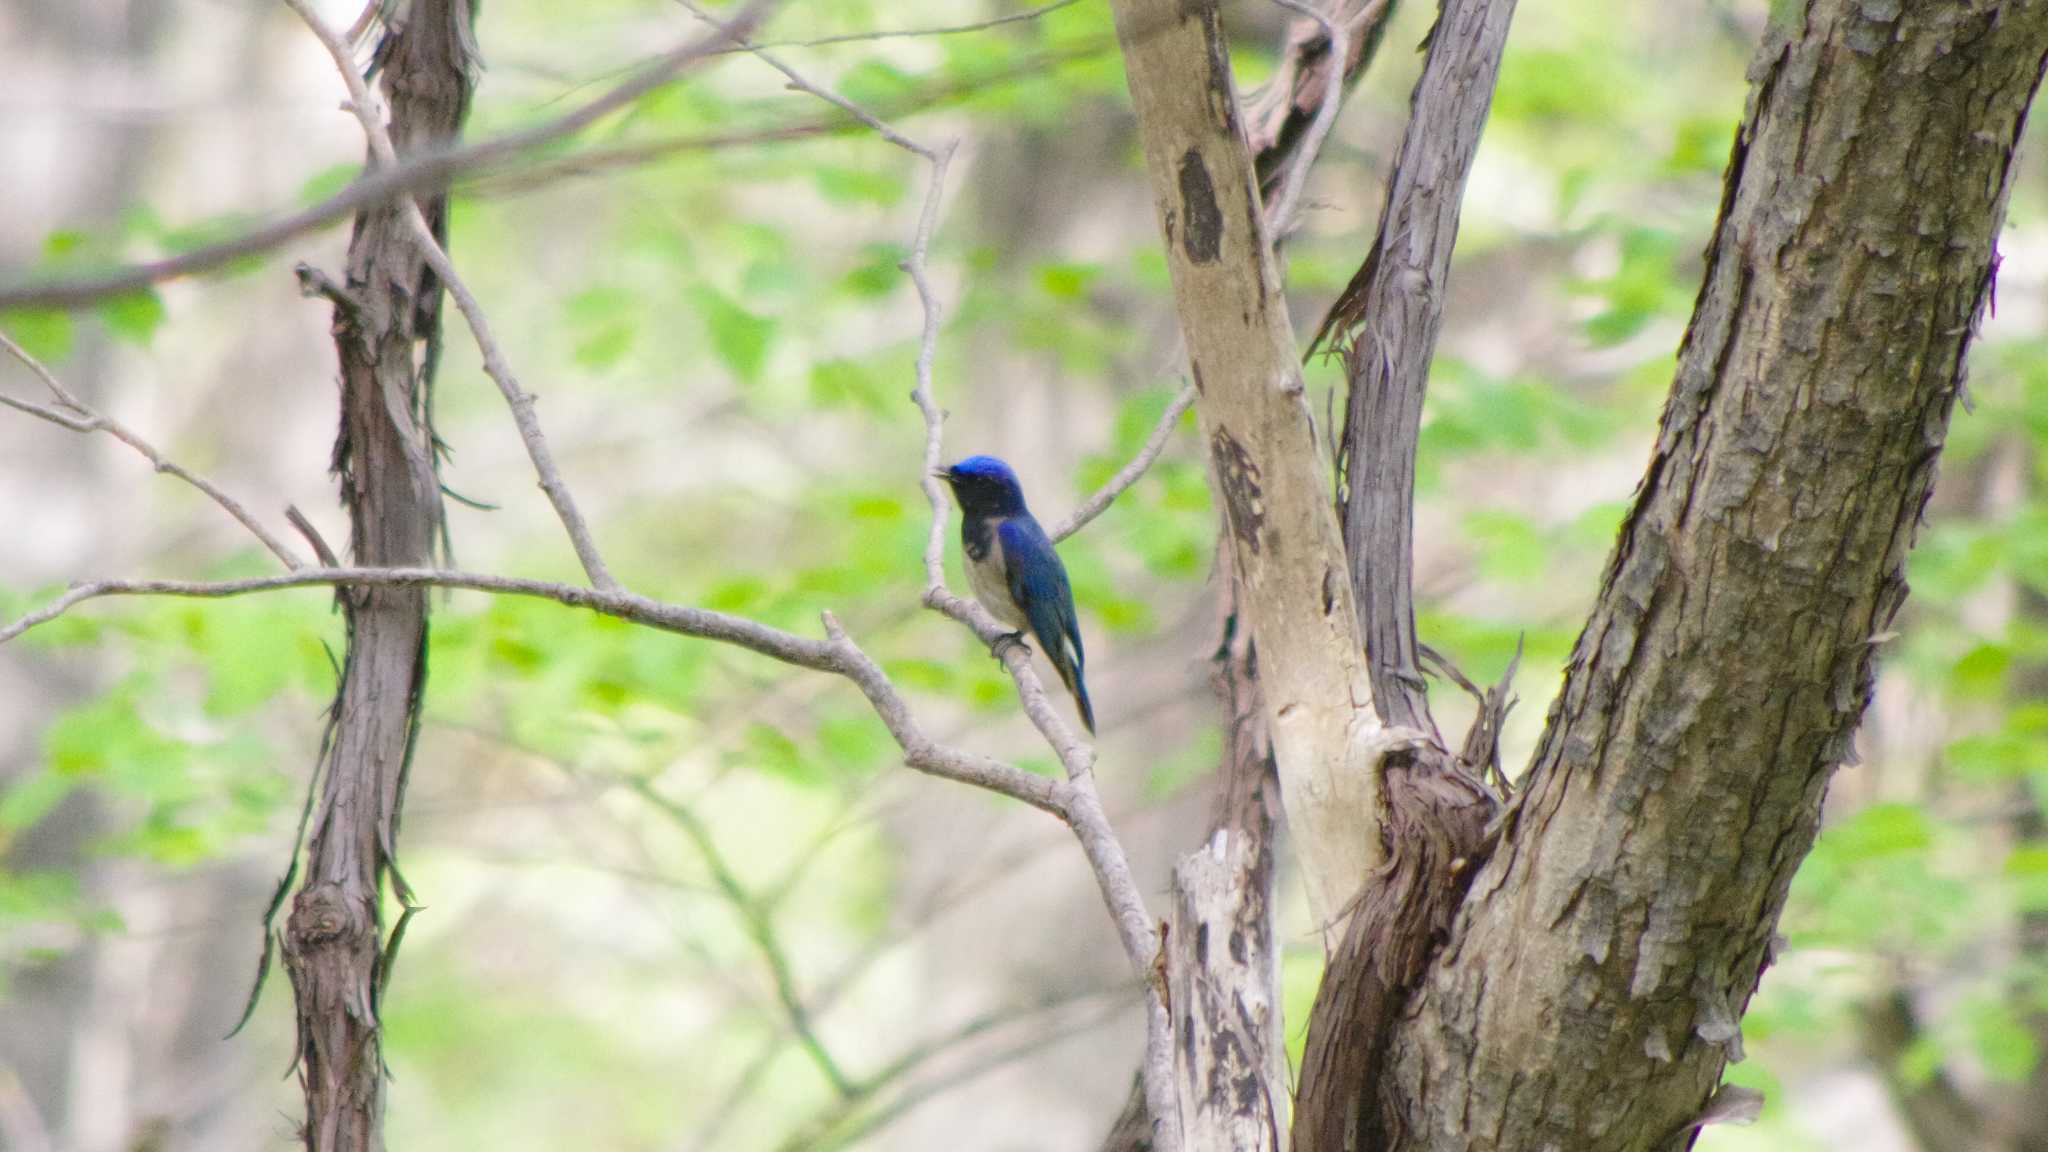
{"x": 759, "y": 923}
{"x": 368, "y": 111}
{"x": 897, "y": 1090}
{"x": 1131, "y": 473}
{"x": 917, "y": 33}
{"x": 837, "y": 654}
{"x": 804, "y": 84}
{"x": 76, "y": 415}
{"x": 423, "y": 172}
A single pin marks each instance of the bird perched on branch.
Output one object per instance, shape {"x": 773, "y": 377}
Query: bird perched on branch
{"x": 1013, "y": 569}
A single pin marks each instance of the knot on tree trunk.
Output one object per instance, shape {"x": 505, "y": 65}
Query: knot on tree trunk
{"x": 331, "y": 945}
{"x": 323, "y": 914}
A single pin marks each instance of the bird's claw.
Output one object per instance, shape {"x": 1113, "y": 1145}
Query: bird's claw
{"x": 1008, "y": 640}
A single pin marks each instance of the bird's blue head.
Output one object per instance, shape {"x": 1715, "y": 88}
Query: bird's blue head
{"x": 985, "y": 486}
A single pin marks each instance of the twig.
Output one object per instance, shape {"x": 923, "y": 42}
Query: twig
{"x": 321, "y": 550}
{"x": 421, "y": 172}
{"x": 912, "y": 33}
{"x": 368, "y": 112}
{"x": 803, "y": 84}
{"x": 760, "y": 927}
{"x": 74, "y": 414}
{"x": 914, "y": 1096}
{"x": 1131, "y": 473}
{"x": 758, "y": 914}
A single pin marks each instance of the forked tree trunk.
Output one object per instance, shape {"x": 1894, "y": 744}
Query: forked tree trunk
{"x": 1591, "y": 991}
{"x": 386, "y": 327}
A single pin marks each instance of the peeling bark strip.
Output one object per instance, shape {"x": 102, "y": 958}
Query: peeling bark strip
{"x": 385, "y": 336}
{"x": 1241, "y": 347}
{"x": 1387, "y": 320}
{"x": 1433, "y": 825}
{"x": 1590, "y": 994}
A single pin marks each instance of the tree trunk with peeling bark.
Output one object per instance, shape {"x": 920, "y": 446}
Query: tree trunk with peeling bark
{"x": 1288, "y": 555}
{"x": 386, "y": 331}
{"x": 1587, "y": 992}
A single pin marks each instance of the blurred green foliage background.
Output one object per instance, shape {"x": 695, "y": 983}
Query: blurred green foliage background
{"x": 639, "y": 854}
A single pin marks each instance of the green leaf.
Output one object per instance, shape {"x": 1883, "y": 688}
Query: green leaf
{"x": 27, "y": 800}
{"x": 841, "y": 185}
{"x": 328, "y": 181}
{"x": 1067, "y": 281}
{"x": 65, "y": 245}
{"x": 1880, "y": 830}
{"x": 873, "y": 83}
{"x": 877, "y": 274}
{"x": 43, "y": 333}
{"x": 2002, "y": 1041}
{"x": 778, "y": 755}
{"x": 2027, "y": 867}
{"x": 133, "y": 318}
{"x": 603, "y": 322}
{"x": 740, "y": 338}
{"x": 844, "y": 383}
{"x": 1980, "y": 674}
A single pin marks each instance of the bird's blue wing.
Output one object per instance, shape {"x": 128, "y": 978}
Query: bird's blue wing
{"x": 1038, "y": 584}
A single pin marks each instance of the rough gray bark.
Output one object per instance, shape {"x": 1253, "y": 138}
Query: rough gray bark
{"x": 1433, "y": 809}
{"x": 1591, "y": 990}
{"x": 386, "y": 331}
{"x": 1387, "y": 320}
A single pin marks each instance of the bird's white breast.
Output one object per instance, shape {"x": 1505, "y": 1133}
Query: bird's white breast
{"x": 990, "y": 579}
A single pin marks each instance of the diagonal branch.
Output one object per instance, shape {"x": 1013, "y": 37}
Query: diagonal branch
{"x": 422, "y": 172}
{"x": 1024, "y": 17}
{"x": 73, "y": 413}
{"x": 367, "y": 109}
{"x": 759, "y": 923}
{"x": 1131, "y": 473}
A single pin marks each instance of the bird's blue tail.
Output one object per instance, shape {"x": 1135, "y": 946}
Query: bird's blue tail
{"x": 1070, "y": 675}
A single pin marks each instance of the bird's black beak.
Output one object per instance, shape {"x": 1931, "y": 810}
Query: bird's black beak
{"x": 943, "y": 473}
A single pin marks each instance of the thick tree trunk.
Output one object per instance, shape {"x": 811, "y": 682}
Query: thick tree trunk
{"x": 386, "y": 327}
{"x": 1591, "y": 990}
